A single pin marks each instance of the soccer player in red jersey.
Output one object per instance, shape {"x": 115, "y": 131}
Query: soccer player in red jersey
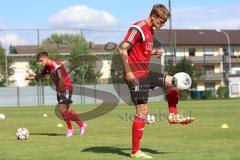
{"x": 64, "y": 88}
{"x": 136, "y": 51}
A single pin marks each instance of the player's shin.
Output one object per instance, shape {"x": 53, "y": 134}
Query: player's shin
{"x": 69, "y": 124}
{"x": 172, "y": 96}
{"x": 137, "y": 131}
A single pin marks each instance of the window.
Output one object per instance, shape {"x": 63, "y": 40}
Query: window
{"x": 232, "y": 51}
{"x": 209, "y": 68}
{"x": 191, "y": 51}
{"x": 179, "y": 52}
{"x": 225, "y": 51}
{"x": 167, "y": 52}
{"x": 235, "y": 89}
{"x": 208, "y": 51}
{"x": 209, "y": 86}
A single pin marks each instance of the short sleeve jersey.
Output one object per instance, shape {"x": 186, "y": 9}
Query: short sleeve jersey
{"x": 140, "y": 36}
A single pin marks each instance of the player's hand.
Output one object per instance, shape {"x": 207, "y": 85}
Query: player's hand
{"x": 29, "y": 78}
{"x": 131, "y": 78}
{"x": 158, "y": 52}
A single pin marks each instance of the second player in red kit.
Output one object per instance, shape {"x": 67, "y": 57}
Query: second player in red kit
{"x": 64, "y": 89}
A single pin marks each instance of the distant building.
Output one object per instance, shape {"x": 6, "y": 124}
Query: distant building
{"x": 207, "y": 49}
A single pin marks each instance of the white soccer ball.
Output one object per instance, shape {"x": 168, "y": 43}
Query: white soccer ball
{"x": 2, "y": 117}
{"x": 182, "y": 80}
{"x": 151, "y": 119}
{"x": 22, "y": 134}
{"x": 45, "y": 115}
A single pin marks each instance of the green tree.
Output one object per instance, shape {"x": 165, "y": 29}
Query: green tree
{"x": 221, "y": 92}
{"x": 10, "y": 69}
{"x": 86, "y": 70}
{"x": 66, "y": 39}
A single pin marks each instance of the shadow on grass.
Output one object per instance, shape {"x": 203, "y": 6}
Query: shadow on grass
{"x": 47, "y": 134}
{"x": 120, "y": 151}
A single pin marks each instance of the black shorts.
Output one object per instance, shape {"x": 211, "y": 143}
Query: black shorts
{"x": 156, "y": 80}
{"x": 64, "y": 97}
{"x": 140, "y": 92}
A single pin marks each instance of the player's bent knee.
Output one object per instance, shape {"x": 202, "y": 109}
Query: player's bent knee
{"x": 168, "y": 80}
{"x": 140, "y": 100}
{"x": 65, "y": 101}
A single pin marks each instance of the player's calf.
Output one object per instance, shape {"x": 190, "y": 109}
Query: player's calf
{"x": 83, "y": 129}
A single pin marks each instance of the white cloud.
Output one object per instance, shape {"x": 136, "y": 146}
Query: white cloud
{"x": 207, "y": 17}
{"x": 82, "y": 16}
{"x": 11, "y": 39}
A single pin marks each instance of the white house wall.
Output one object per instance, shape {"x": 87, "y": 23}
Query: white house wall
{"x": 21, "y": 67}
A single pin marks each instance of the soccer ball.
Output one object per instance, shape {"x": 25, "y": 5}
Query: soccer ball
{"x": 2, "y": 117}
{"x": 182, "y": 81}
{"x": 151, "y": 119}
{"x": 45, "y": 115}
{"x": 22, "y": 134}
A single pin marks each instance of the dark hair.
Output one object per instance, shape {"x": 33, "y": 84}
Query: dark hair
{"x": 160, "y": 11}
{"x": 41, "y": 54}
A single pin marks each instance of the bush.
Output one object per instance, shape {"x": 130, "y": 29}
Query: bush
{"x": 221, "y": 92}
{"x": 208, "y": 95}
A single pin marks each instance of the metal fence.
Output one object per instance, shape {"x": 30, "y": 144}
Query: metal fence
{"x": 35, "y": 96}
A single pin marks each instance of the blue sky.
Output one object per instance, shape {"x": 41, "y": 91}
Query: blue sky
{"x": 67, "y": 14}
{"x": 28, "y": 13}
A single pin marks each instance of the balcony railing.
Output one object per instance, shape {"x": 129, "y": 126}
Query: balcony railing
{"x": 212, "y": 76}
{"x": 209, "y": 59}
{"x": 202, "y": 59}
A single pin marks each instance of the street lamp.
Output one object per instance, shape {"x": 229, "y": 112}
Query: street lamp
{"x": 229, "y": 49}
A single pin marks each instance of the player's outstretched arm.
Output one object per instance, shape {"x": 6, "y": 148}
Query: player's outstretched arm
{"x": 35, "y": 77}
{"x": 30, "y": 77}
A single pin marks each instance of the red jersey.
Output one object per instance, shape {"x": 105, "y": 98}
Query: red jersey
{"x": 59, "y": 76}
{"x": 140, "y": 36}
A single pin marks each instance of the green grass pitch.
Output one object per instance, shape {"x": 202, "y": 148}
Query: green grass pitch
{"x": 109, "y": 137}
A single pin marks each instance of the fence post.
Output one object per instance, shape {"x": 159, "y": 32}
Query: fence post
{"x": 95, "y": 99}
{"x": 43, "y": 98}
{"x": 81, "y": 93}
{"x": 118, "y": 90}
{"x": 18, "y": 97}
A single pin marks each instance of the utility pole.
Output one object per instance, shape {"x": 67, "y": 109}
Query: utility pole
{"x": 170, "y": 32}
